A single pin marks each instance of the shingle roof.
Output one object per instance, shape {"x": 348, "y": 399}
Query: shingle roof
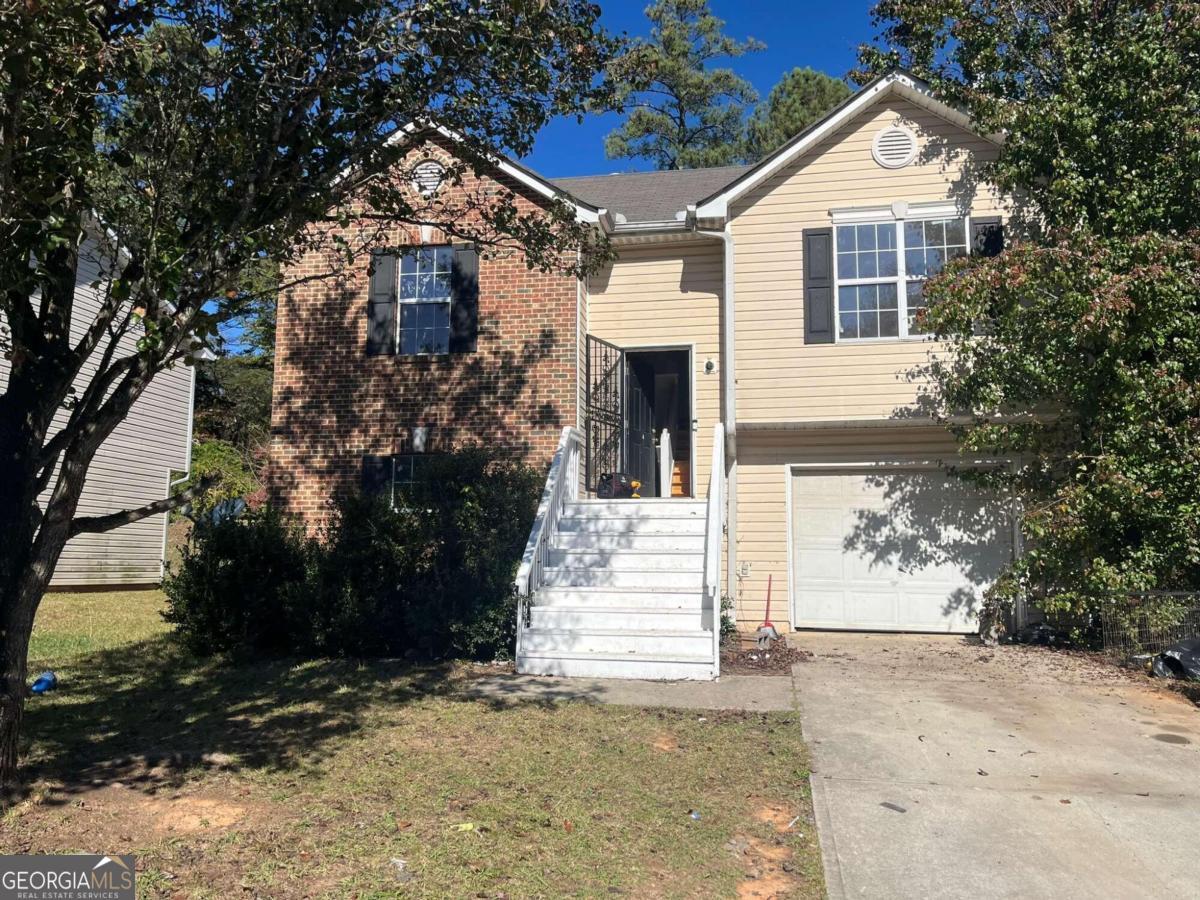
{"x": 649, "y": 196}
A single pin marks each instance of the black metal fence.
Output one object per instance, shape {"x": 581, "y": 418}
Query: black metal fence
{"x": 1147, "y": 624}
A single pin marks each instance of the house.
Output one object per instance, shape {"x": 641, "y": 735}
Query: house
{"x": 136, "y": 465}
{"x": 752, "y": 356}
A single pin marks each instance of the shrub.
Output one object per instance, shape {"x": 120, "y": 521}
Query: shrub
{"x": 229, "y": 591}
{"x": 431, "y": 577}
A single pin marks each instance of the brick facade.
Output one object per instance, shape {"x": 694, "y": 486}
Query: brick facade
{"x": 333, "y": 403}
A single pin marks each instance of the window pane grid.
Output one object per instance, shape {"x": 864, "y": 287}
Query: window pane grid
{"x": 424, "y": 293}
{"x": 930, "y": 244}
{"x": 879, "y": 298}
{"x": 868, "y": 311}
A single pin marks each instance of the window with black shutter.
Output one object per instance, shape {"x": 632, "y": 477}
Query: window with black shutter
{"x": 423, "y": 301}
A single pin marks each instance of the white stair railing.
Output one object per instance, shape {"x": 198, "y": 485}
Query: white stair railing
{"x": 714, "y": 530}
{"x": 666, "y": 463}
{"x": 562, "y": 484}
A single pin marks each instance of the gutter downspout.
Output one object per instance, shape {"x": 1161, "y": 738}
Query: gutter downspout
{"x": 728, "y": 395}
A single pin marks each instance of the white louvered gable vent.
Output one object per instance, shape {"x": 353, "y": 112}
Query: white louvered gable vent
{"x": 427, "y": 177}
{"x": 894, "y": 148}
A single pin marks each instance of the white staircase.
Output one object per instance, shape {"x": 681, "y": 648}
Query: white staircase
{"x": 617, "y": 588}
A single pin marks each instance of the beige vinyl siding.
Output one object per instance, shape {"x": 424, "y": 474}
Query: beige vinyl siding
{"x": 781, "y": 379}
{"x": 131, "y": 468}
{"x": 663, "y": 295}
{"x": 763, "y": 458}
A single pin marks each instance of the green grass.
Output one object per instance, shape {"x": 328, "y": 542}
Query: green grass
{"x": 73, "y": 624}
{"x": 308, "y": 779}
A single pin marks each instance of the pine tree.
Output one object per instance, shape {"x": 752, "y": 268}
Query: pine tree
{"x": 681, "y": 114}
{"x": 800, "y": 98}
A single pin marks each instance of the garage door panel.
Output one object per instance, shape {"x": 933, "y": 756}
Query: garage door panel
{"x": 872, "y": 606}
{"x": 821, "y": 563}
{"x": 826, "y": 606}
{"x": 912, "y": 549}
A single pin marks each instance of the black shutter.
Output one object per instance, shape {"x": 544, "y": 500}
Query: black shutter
{"x": 377, "y": 475}
{"x": 381, "y": 305}
{"x": 818, "y": 285}
{"x": 987, "y": 236}
{"x": 464, "y": 305}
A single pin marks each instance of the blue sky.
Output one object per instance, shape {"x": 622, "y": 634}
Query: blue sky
{"x": 796, "y": 32}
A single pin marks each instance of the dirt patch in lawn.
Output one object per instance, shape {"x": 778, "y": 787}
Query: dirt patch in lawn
{"x": 665, "y": 743}
{"x": 772, "y": 869}
{"x": 118, "y": 816}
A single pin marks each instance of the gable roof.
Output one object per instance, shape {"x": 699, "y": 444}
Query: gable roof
{"x": 585, "y": 211}
{"x": 639, "y": 198}
{"x": 677, "y": 198}
{"x": 898, "y": 82}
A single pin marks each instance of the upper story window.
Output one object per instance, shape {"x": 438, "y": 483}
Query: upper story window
{"x": 426, "y": 281}
{"x": 881, "y": 268}
{"x": 423, "y": 301}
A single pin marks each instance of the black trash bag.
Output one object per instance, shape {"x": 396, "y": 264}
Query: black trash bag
{"x": 1180, "y": 660}
{"x": 1040, "y": 634}
{"x": 616, "y": 486}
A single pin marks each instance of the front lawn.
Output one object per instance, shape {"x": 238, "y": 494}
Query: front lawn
{"x": 370, "y": 780}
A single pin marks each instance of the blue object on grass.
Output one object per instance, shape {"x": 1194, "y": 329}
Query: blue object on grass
{"x": 47, "y": 681}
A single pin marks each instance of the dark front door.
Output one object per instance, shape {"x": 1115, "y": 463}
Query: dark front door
{"x": 639, "y": 430}
{"x": 604, "y": 409}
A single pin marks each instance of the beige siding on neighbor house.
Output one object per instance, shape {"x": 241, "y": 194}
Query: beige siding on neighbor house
{"x": 130, "y": 469}
{"x": 778, "y": 377}
{"x": 763, "y": 460}
{"x": 663, "y": 295}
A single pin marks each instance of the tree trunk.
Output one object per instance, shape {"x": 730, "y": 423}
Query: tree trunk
{"x": 23, "y": 577}
{"x": 15, "y": 627}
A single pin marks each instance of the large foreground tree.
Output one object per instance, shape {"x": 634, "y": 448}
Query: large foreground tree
{"x": 681, "y": 113}
{"x": 1077, "y": 351}
{"x": 195, "y": 140}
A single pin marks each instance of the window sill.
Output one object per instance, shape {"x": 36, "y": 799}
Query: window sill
{"x": 909, "y": 339}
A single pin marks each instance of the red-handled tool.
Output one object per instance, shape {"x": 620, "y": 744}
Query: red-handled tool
{"x": 766, "y": 631}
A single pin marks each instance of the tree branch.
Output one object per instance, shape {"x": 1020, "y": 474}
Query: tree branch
{"x": 96, "y": 524}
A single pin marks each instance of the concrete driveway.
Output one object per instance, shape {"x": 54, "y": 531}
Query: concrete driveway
{"x": 946, "y": 769}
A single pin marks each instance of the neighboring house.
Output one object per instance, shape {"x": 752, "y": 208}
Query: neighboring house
{"x": 767, "y": 313}
{"x": 135, "y": 466}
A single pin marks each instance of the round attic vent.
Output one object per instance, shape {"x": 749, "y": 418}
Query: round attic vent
{"x": 427, "y": 176}
{"x": 894, "y": 148}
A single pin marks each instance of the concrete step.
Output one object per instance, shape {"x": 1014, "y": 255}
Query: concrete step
{"x": 605, "y": 618}
{"x": 602, "y": 597}
{"x": 623, "y": 665}
{"x": 605, "y": 524}
{"x": 640, "y": 509}
{"x": 641, "y": 560}
{"x": 549, "y": 641}
{"x": 633, "y": 579}
{"x": 658, "y": 543}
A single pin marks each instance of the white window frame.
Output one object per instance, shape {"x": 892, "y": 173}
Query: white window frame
{"x": 401, "y": 302}
{"x": 896, "y": 214}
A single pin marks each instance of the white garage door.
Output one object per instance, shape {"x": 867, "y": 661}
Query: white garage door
{"x": 901, "y": 550}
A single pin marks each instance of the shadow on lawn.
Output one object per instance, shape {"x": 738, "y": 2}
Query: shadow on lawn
{"x": 147, "y": 713}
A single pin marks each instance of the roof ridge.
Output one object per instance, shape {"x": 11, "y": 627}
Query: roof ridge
{"x": 651, "y": 172}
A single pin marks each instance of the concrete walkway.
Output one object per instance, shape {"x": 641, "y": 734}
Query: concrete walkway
{"x": 762, "y": 693}
{"x": 944, "y": 770}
